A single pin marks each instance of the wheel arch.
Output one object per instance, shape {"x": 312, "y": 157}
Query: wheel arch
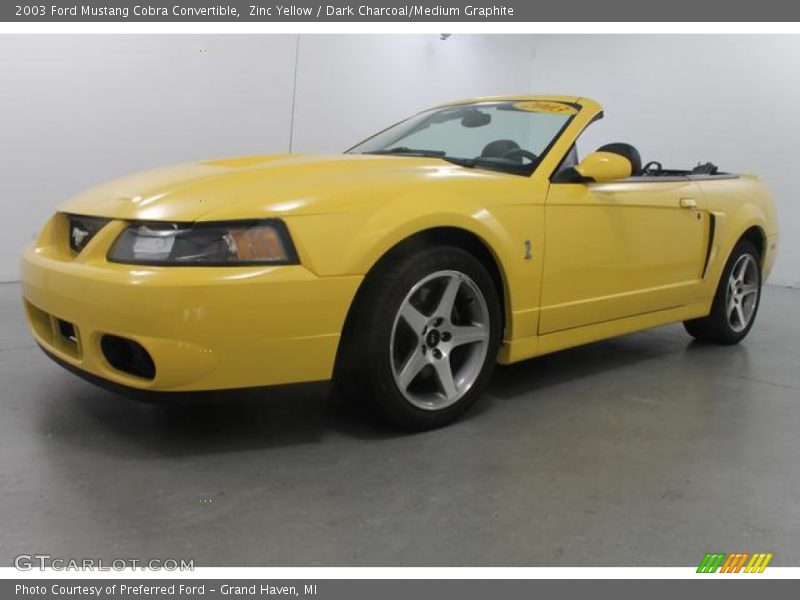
{"x": 748, "y": 222}
{"x": 756, "y": 235}
{"x": 440, "y": 235}
{"x": 466, "y": 240}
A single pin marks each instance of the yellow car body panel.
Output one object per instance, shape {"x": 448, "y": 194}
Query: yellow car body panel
{"x": 591, "y": 274}
{"x": 205, "y": 327}
{"x": 578, "y": 262}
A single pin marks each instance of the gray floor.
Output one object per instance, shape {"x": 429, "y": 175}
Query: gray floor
{"x": 645, "y": 450}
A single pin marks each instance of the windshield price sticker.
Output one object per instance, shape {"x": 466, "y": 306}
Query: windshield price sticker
{"x": 546, "y": 107}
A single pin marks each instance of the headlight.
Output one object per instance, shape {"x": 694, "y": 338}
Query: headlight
{"x": 264, "y": 242}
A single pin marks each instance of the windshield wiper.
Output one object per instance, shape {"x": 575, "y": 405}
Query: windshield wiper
{"x": 461, "y": 162}
{"x": 404, "y": 150}
{"x": 469, "y": 163}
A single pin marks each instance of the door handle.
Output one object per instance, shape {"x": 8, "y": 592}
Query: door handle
{"x": 688, "y": 203}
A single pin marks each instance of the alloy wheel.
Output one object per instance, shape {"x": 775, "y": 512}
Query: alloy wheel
{"x": 439, "y": 340}
{"x": 741, "y": 298}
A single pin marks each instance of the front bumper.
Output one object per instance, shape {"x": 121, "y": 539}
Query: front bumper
{"x": 205, "y": 328}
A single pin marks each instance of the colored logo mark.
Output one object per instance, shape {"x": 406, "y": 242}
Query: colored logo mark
{"x": 721, "y": 562}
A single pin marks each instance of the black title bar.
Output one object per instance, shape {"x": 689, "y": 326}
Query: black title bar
{"x": 397, "y": 11}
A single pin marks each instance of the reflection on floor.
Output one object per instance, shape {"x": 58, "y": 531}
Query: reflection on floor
{"x": 646, "y": 450}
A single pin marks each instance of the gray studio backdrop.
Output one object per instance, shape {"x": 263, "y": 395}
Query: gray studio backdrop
{"x": 76, "y": 110}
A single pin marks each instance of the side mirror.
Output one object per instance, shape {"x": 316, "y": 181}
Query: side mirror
{"x": 604, "y": 166}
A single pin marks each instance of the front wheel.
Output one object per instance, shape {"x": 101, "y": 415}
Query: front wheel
{"x": 425, "y": 339}
{"x": 736, "y": 301}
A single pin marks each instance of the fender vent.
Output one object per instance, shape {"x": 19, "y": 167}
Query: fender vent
{"x": 712, "y": 225}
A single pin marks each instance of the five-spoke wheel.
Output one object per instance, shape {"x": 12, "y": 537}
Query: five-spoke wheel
{"x": 439, "y": 339}
{"x": 743, "y": 289}
{"x": 424, "y": 336}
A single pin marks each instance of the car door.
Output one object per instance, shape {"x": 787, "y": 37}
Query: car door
{"x": 619, "y": 249}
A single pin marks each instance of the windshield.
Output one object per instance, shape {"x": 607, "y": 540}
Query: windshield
{"x": 504, "y": 136}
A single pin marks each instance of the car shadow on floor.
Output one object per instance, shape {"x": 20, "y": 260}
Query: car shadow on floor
{"x": 206, "y": 424}
{"x": 260, "y": 419}
{"x": 538, "y": 374}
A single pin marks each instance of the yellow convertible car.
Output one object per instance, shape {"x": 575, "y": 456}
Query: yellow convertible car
{"x": 403, "y": 269}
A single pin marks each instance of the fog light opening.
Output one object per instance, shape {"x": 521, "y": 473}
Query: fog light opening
{"x": 67, "y": 331}
{"x": 128, "y": 356}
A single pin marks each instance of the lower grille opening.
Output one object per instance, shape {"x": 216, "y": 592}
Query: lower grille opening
{"x": 128, "y": 356}
{"x": 40, "y": 321}
{"x": 67, "y": 331}
{"x": 66, "y": 337}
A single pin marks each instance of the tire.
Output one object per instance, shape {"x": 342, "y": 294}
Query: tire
{"x": 419, "y": 316}
{"x": 736, "y": 301}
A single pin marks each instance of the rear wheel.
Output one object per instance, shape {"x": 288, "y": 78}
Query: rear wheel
{"x": 424, "y": 341}
{"x": 736, "y": 301}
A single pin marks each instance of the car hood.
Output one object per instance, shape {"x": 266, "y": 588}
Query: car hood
{"x": 266, "y": 185}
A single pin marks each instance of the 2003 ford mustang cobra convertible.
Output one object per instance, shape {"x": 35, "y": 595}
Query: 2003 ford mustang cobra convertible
{"x": 404, "y": 269}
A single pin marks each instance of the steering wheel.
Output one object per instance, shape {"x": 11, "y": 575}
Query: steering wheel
{"x": 521, "y": 152}
{"x": 652, "y": 168}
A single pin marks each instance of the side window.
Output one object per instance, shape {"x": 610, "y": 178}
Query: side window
{"x": 564, "y": 172}
{"x": 570, "y": 160}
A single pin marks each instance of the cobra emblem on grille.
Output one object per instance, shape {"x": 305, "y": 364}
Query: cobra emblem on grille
{"x": 78, "y": 235}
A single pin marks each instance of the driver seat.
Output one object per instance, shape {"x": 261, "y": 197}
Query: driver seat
{"x": 498, "y": 148}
